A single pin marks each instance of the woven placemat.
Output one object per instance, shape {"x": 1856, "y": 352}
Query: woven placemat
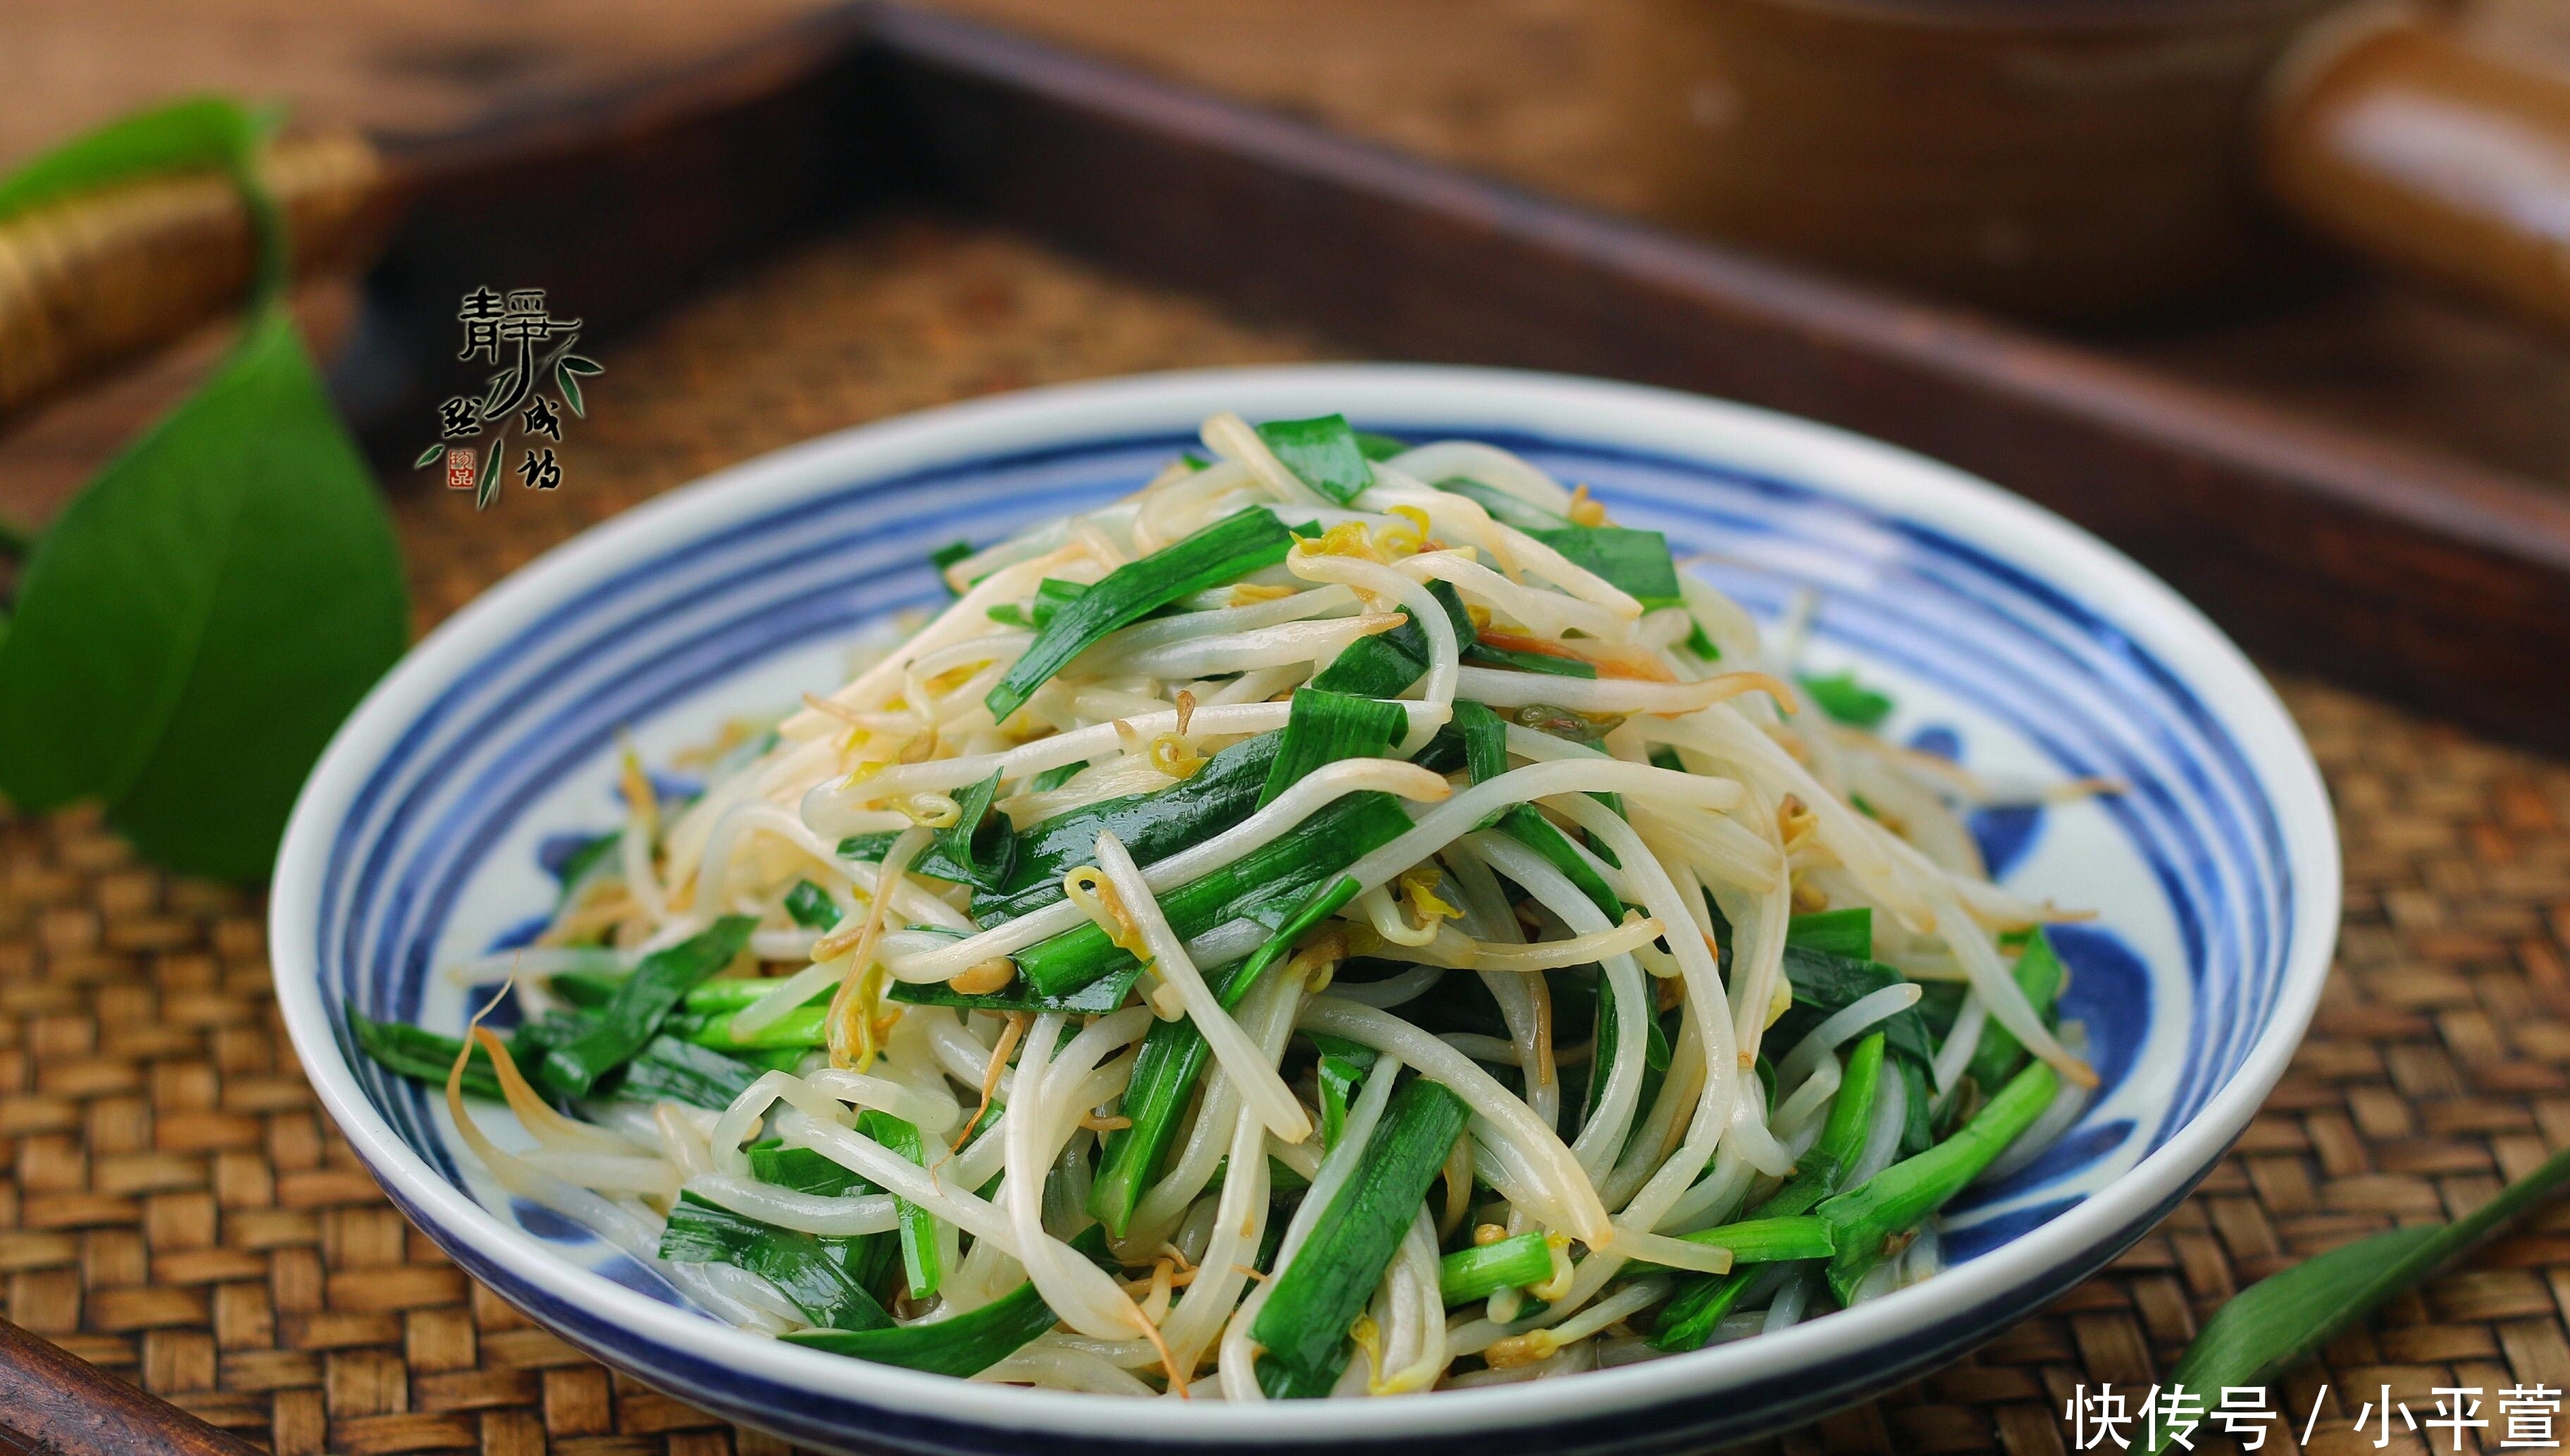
{"x": 176, "y": 1211}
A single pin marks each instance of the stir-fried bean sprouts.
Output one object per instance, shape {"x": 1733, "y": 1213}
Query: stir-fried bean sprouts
{"x": 1348, "y": 919}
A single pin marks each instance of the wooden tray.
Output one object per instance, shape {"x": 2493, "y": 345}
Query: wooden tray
{"x": 170, "y": 1187}
{"x": 2385, "y": 567}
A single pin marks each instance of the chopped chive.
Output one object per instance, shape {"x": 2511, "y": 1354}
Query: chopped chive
{"x": 649, "y": 995}
{"x": 2041, "y": 975}
{"x": 1052, "y": 596}
{"x": 1482, "y": 654}
{"x": 1505, "y": 508}
{"x": 667, "y": 1069}
{"x": 809, "y": 906}
{"x": 1868, "y": 1219}
{"x": 1638, "y": 563}
{"x": 1483, "y": 1271}
{"x": 1848, "y": 933}
{"x": 1387, "y": 663}
{"x": 1173, "y": 1056}
{"x": 1227, "y": 551}
{"x": 1689, "y": 1317}
{"x": 805, "y": 1025}
{"x": 979, "y": 843}
{"x": 921, "y": 1267}
{"x": 805, "y": 1171}
{"x": 1842, "y": 697}
{"x": 1823, "y": 984}
{"x": 799, "y": 1265}
{"x": 1152, "y": 826}
{"x": 1377, "y": 447}
{"x": 1323, "y": 727}
{"x": 1096, "y": 999}
{"x": 1312, "y": 1302}
{"x": 1264, "y": 886}
{"x": 1323, "y": 453}
{"x": 967, "y": 1344}
{"x": 422, "y": 1055}
{"x": 1054, "y": 778}
{"x": 1779, "y": 1239}
{"x": 1343, "y": 1069}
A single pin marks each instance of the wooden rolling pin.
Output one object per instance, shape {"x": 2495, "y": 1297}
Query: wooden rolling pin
{"x": 102, "y": 277}
{"x": 2432, "y": 150}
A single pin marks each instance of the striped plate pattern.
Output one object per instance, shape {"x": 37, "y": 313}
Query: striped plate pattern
{"x": 2008, "y": 641}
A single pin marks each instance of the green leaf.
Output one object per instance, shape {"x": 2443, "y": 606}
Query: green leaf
{"x": 1851, "y": 702}
{"x": 568, "y": 384}
{"x": 199, "y": 619}
{"x": 428, "y": 455}
{"x": 199, "y": 134}
{"x": 1378, "y": 447}
{"x": 2276, "y": 1322}
{"x": 580, "y": 364}
{"x": 1324, "y": 727}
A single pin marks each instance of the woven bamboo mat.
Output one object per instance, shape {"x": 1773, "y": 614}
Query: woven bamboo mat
{"x": 173, "y": 1207}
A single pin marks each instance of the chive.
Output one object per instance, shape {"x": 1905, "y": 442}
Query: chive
{"x": 948, "y": 553}
{"x": 797, "y": 1264}
{"x": 2040, "y": 974}
{"x": 1387, "y": 663}
{"x": 979, "y": 843}
{"x": 1635, "y": 562}
{"x": 1313, "y": 1300}
{"x": 1530, "y": 827}
{"x": 594, "y": 859}
{"x": 1151, "y": 826}
{"x": 1324, "y": 453}
{"x": 1008, "y": 615}
{"x": 667, "y": 1069}
{"x": 1842, "y": 697}
{"x": 1264, "y": 886}
{"x": 1227, "y": 551}
{"x": 919, "y": 1262}
{"x": 1323, "y": 727}
{"x": 1342, "y": 1071}
{"x": 805, "y": 1171}
{"x": 591, "y": 989}
{"x": 1870, "y": 1218}
{"x": 1096, "y": 999}
{"x": 1505, "y": 508}
{"x": 1780, "y": 1239}
{"x": 809, "y": 906}
{"x": 423, "y": 1055}
{"x": 1483, "y": 1271}
{"x": 967, "y": 1344}
{"x": 1848, "y": 933}
{"x": 1482, "y": 654}
{"x": 1687, "y": 1320}
{"x": 1823, "y": 984}
{"x": 1054, "y": 778}
{"x": 1052, "y": 596}
{"x": 1377, "y": 447}
{"x": 805, "y": 1025}
{"x": 930, "y": 861}
{"x": 1173, "y": 1056}
{"x": 645, "y": 997}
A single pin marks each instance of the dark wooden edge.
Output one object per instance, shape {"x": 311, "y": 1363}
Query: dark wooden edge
{"x": 55, "y": 1403}
{"x": 2392, "y": 569}
{"x": 2397, "y": 570}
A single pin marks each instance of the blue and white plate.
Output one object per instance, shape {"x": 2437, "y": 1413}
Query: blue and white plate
{"x": 2009, "y": 639}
